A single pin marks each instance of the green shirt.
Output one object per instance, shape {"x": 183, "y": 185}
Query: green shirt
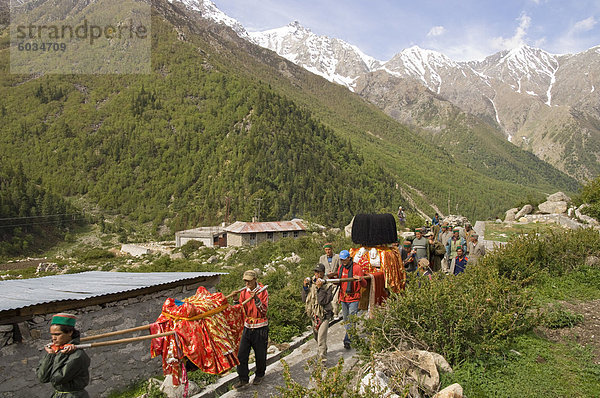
{"x": 68, "y": 373}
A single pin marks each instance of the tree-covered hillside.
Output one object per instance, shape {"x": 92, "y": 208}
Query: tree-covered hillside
{"x": 30, "y": 215}
{"x": 220, "y": 118}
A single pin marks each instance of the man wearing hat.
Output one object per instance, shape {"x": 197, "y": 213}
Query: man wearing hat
{"x": 454, "y": 243}
{"x": 350, "y": 290}
{"x": 459, "y": 263}
{"x": 256, "y": 330}
{"x": 419, "y": 244}
{"x": 475, "y": 248}
{"x": 331, "y": 261}
{"x": 435, "y": 252}
{"x": 317, "y": 295}
{"x": 63, "y": 365}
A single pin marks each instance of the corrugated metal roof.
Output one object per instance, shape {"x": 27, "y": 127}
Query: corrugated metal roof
{"x": 241, "y": 227}
{"x": 201, "y": 231}
{"x": 20, "y": 293}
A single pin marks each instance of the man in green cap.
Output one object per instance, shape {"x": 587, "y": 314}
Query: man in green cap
{"x": 65, "y": 366}
{"x": 454, "y": 243}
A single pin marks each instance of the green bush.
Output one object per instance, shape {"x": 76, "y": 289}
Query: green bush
{"x": 460, "y": 317}
{"x": 590, "y": 194}
{"x": 556, "y": 317}
{"x": 96, "y": 254}
{"x": 524, "y": 258}
{"x": 190, "y": 247}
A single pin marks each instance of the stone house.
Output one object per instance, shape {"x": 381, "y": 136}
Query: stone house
{"x": 103, "y": 302}
{"x": 252, "y": 233}
{"x": 209, "y": 236}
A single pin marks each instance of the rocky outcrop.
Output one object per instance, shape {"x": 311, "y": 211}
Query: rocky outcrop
{"x": 511, "y": 214}
{"x": 527, "y": 209}
{"x": 455, "y": 220}
{"x": 420, "y": 370}
{"x": 555, "y": 204}
{"x": 558, "y": 197}
{"x": 549, "y": 207}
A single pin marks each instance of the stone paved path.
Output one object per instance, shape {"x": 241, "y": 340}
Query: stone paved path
{"x": 297, "y": 362}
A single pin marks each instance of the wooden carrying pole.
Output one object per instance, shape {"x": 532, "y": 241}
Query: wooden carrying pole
{"x": 115, "y": 333}
{"x": 259, "y": 290}
{"x": 346, "y": 279}
{"x": 135, "y": 329}
{"x": 122, "y": 341}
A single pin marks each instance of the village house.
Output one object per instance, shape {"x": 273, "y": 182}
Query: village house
{"x": 103, "y": 302}
{"x": 209, "y": 236}
{"x": 252, "y": 233}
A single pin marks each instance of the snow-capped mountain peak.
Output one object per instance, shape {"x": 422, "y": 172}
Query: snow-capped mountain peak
{"x": 334, "y": 59}
{"x": 209, "y": 10}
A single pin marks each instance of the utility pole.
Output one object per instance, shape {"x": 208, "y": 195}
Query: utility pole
{"x": 257, "y": 209}
{"x": 227, "y": 202}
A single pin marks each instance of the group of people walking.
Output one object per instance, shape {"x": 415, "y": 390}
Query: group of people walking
{"x": 445, "y": 248}
{"x": 441, "y": 248}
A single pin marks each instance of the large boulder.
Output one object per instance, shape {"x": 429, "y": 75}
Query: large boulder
{"x": 456, "y": 220}
{"x": 550, "y": 207}
{"x": 527, "y": 209}
{"x": 558, "y": 197}
{"x": 510, "y": 215}
{"x": 452, "y": 391}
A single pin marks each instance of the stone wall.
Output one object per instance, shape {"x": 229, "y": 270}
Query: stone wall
{"x": 112, "y": 368}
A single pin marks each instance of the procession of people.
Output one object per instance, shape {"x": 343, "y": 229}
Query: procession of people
{"x": 339, "y": 281}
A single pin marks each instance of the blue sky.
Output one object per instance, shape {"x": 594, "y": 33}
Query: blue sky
{"x": 462, "y": 30}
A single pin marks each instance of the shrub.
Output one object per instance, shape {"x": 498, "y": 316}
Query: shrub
{"x": 190, "y": 247}
{"x": 460, "y": 317}
{"x": 96, "y": 254}
{"x": 332, "y": 382}
{"x": 526, "y": 257}
{"x": 557, "y": 318}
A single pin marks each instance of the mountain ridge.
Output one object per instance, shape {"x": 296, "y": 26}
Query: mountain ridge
{"x": 507, "y": 90}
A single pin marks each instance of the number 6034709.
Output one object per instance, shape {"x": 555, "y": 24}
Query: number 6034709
{"x": 43, "y": 46}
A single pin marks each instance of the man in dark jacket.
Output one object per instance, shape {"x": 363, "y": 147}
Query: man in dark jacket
{"x": 317, "y": 294}
{"x": 63, "y": 365}
{"x": 435, "y": 252}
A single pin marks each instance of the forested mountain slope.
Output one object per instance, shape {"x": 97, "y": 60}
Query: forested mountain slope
{"x": 220, "y": 117}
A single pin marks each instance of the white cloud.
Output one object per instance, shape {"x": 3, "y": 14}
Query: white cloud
{"x": 518, "y": 39}
{"x": 436, "y": 31}
{"x": 584, "y": 25}
{"x": 573, "y": 40}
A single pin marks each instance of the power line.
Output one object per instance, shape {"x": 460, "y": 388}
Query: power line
{"x": 66, "y": 221}
{"x": 49, "y": 215}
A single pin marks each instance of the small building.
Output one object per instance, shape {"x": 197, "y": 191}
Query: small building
{"x": 103, "y": 302}
{"x": 209, "y": 236}
{"x": 252, "y": 233}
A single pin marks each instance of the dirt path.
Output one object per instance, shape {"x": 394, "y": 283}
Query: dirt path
{"x": 587, "y": 333}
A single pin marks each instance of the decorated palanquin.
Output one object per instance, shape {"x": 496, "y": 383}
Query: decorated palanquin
{"x": 208, "y": 332}
{"x": 374, "y": 232}
{"x": 382, "y": 259}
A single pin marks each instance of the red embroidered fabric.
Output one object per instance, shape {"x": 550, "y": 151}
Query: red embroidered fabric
{"x": 210, "y": 341}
